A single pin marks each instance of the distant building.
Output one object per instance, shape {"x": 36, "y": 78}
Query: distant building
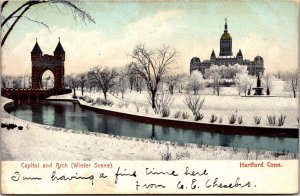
{"x": 226, "y": 57}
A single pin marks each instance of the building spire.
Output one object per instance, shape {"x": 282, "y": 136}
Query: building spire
{"x": 225, "y": 30}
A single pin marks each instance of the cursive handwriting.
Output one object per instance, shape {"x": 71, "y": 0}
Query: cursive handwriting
{"x": 193, "y": 173}
{"x": 133, "y": 174}
{"x": 149, "y": 186}
{"x": 218, "y": 184}
{"x": 16, "y": 177}
{"x": 65, "y": 178}
{"x": 173, "y": 173}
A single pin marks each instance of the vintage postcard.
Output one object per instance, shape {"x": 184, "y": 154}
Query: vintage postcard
{"x": 149, "y": 97}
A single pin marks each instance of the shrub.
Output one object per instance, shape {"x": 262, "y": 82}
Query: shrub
{"x": 162, "y": 101}
{"x": 146, "y": 108}
{"x": 240, "y": 119}
{"x": 165, "y": 112}
{"x": 281, "y": 120}
{"x": 194, "y": 103}
{"x": 137, "y": 106}
{"x": 87, "y": 99}
{"x": 166, "y": 156}
{"x": 185, "y": 115}
{"x": 213, "y": 118}
{"x": 257, "y": 119}
{"x": 199, "y": 116}
{"x": 177, "y": 114}
{"x": 232, "y": 118}
{"x": 104, "y": 102}
{"x": 120, "y": 104}
{"x": 220, "y": 120}
{"x": 272, "y": 119}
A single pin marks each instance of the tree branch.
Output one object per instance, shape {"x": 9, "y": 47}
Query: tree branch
{"x": 12, "y": 26}
{"x": 3, "y": 5}
{"x": 36, "y": 21}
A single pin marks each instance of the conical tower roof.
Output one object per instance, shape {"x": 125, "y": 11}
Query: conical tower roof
{"x": 59, "y": 49}
{"x": 36, "y": 49}
{"x": 239, "y": 53}
{"x": 213, "y": 54}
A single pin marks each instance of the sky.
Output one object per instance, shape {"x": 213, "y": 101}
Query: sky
{"x": 193, "y": 28}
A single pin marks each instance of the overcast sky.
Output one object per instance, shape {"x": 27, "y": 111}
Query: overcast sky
{"x": 265, "y": 28}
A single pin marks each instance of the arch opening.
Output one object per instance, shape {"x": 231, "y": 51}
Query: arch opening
{"x": 47, "y": 78}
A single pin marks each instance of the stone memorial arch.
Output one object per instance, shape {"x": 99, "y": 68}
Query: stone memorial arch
{"x": 42, "y": 63}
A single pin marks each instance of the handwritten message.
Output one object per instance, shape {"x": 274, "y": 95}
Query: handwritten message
{"x": 147, "y": 177}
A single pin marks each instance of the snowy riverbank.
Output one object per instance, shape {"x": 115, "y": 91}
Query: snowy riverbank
{"x": 40, "y": 142}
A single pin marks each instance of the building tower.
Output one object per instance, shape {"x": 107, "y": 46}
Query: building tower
{"x": 36, "y": 52}
{"x": 239, "y": 57}
{"x": 213, "y": 57}
{"x": 42, "y": 63}
{"x": 225, "y": 42}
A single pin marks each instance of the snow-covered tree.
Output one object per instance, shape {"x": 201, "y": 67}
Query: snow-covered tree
{"x": 122, "y": 80}
{"x": 195, "y": 82}
{"x": 244, "y": 82}
{"x": 82, "y": 80}
{"x": 214, "y": 73}
{"x": 152, "y": 66}
{"x": 230, "y": 72}
{"x": 72, "y": 82}
{"x": 268, "y": 82}
{"x": 104, "y": 78}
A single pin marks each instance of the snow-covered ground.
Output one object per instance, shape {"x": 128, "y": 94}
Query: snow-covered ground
{"x": 40, "y": 142}
{"x": 223, "y": 106}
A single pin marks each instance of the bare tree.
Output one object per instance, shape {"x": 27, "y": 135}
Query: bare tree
{"x": 82, "y": 79}
{"x": 71, "y": 82}
{"x": 172, "y": 81}
{"x": 152, "y": 65}
{"x": 4, "y": 82}
{"x": 104, "y": 77}
{"x": 294, "y": 83}
{"x": 13, "y": 16}
{"x": 122, "y": 80}
{"x": 268, "y": 82}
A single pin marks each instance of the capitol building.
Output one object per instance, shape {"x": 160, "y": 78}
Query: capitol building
{"x": 226, "y": 57}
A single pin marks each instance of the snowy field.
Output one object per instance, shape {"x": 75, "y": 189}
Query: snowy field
{"x": 223, "y": 106}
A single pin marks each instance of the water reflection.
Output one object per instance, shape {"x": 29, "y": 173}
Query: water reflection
{"x": 71, "y": 116}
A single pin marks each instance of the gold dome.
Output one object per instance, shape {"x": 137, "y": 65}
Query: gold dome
{"x": 226, "y": 36}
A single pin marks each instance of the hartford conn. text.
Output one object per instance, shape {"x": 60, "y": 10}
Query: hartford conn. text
{"x": 146, "y": 178}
